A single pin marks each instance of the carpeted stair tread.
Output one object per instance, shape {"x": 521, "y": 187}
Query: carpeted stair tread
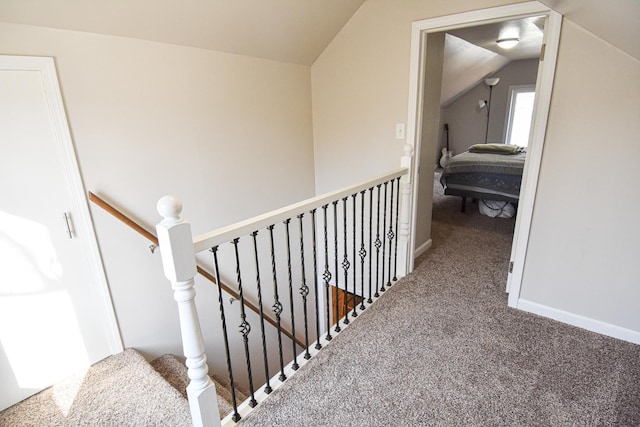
{"x": 121, "y": 390}
{"x": 175, "y": 372}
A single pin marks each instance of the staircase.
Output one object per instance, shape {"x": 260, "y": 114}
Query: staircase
{"x": 175, "y": 373}
{"x": 122, "y": 390}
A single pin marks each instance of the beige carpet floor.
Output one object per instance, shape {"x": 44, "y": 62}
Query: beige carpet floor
{"x": 442, "y": 348}
{"x": 175, "y": 372}
{"x": 122, "y": 390}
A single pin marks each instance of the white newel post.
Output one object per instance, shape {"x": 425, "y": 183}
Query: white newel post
{"x": 178, "y": 259}
{"x": 405, "y": 212}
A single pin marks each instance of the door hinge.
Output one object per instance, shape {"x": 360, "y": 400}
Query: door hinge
{"x": 544, "y": 46}
{"x": 510, "y": 266}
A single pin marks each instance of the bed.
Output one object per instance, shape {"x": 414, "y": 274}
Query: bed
{"x": 486, "y": 171}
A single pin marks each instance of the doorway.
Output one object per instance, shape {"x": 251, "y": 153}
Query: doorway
{"x": 56, "y": 316}
{"x": 420, "y": 103}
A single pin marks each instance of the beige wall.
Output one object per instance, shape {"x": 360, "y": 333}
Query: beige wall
{"x": 583, "y": 250}
{"x": 360, "y": 88}
{"x": 360, "y": 85}
{"x": 430, "y": 125}
{"x": 581, "y": 256}
{"x": 229, "y": 135}
{"x": 467, "y": 122}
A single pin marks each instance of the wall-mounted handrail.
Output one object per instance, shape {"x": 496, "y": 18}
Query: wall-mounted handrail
{"x": 204, "y": 273}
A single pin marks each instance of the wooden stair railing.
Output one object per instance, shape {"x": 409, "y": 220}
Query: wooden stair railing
{"x": 204, "y": 273}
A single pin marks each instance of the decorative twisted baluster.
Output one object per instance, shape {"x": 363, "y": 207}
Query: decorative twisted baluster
{"x": 326, "y": 276}
{"x": 395, "y": 252}
{"x": 315, "y": 278}
{"x": 345, "y": 261}
{"x": 295, "y": 365}
{"x": 245, "y": 327}
{"x": 236, "y": 416}
{"x": 390, "y": 234}
{"x": 384, "y": 227}
{"x": 355, "y": 293}
{"x": 304, "y": 290}
{"x": 378, "y": 243}
{"x": 335, "y": 245}
{"x": 277, "y": 306}
{"x": 370, "y": 240}
{"x": 362, "y": 252}
{"x": 267, "y": 387}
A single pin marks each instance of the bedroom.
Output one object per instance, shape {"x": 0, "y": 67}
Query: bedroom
{"x": 472, "y": 113}
{"x": 493, "y": 110}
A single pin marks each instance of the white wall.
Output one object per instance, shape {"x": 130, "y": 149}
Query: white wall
{"x": 582, "y": 254}
{"x": 583, "y": 250}
{"x": 229, "y": 135}
{"x": 467, "y": 122}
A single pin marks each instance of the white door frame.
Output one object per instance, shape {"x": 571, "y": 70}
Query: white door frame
{"x": 544, "y": 86}
{"x": 73, "y": 181}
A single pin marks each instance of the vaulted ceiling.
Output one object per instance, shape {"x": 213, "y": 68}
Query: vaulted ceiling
{"x": 471, "y": 54}
{"x": 295, "y": 31}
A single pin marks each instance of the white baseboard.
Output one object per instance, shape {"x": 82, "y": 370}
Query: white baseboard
{"x": 422, "y": 248}
{"x": 580, "y": 321}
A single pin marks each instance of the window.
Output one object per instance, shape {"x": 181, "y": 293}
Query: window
{"x": 520, "y": 113}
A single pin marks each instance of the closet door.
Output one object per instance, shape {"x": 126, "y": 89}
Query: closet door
{"x": 53, "y": 322}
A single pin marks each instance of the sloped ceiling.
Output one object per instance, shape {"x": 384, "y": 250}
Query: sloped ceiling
{"x": 294, "y": 31}
{"x": 615, "y": 21}
{"x": 464, "y": 66}
{"x": 471, "y": 54}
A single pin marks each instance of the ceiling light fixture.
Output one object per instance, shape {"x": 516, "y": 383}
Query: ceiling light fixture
{"x": 507, "y": 43}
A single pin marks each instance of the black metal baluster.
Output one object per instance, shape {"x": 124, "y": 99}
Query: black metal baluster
{"x": 335, "y": 245}
{"x": 245, "y": 328}
{"x": 363, "y": 252}
{"x": 378, "y": 243}
{"x": 355, "y": 293}
{"x": 345, "y": 261}
{"x": 326, "y": 276}
{"x": 236, "y": 416}
{"x": 384, "y": 227}
{"x": 390, "y": 234}
{"x": 395, "y": 253}
{"x": 315, "y": 278}
{"x": 304, "y": 290}
{"x": 370, "y": 240}
{"x": 295, "y": 365}
{"x": 267, "y": 387}
{"x": 277, "y": 305}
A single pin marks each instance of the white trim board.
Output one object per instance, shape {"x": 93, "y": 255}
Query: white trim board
{"x": 544, "y": 89}
{"x": 579, "y": 321}
{"x": 423, "y": 248}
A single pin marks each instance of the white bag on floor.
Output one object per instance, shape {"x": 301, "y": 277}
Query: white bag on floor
{"x": 496, "y": 209}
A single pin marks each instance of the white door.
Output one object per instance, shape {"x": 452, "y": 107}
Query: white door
{"x": 54, "y": 320}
